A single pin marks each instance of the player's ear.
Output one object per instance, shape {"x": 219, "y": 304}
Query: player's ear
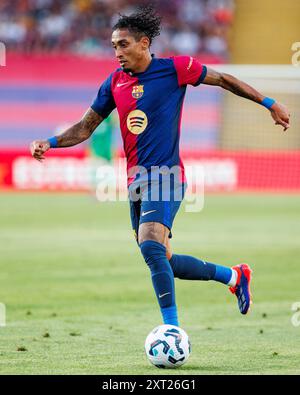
{"x": 145, "y": 42}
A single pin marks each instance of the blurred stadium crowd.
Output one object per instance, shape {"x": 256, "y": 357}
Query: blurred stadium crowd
{"x": 84, "y": 26}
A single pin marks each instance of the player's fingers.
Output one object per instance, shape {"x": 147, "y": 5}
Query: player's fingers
{"x": 285, "y": 116}
{"x": 37, "y": 155}
{"x": 39, "y": 158}
{"x": 281, "y": 122}
{"x": 36, "y": 151}
{"x": 41, "y": 147}
{"x": 32, "y": 148}
{"x": 285, "y": 125}
{"x": 37, "y": 147}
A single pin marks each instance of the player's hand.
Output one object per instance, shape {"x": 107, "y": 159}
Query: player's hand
{"x": 281, "y": 115}
{"x": 38, "y": 148}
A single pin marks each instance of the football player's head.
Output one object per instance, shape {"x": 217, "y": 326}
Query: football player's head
{"x": 133, "y": 35}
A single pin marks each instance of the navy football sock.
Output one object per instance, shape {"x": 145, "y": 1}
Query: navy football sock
{"x": 189, "y": 268}
{"x": 162, "y": 278}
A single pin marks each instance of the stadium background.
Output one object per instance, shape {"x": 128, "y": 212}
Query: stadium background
{"x": 58, "y": 54}
{"x": 54, "y": 70}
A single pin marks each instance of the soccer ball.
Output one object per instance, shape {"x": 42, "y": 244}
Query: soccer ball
{"x": 167, "y": 346}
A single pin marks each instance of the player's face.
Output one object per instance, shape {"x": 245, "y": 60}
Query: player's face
{"x": 129, "y": 52}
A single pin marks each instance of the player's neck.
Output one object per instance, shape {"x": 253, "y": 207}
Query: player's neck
{"x": 144, "y": 64}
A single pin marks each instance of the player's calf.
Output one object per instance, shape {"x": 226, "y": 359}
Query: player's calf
{"x": 162, "y": 276}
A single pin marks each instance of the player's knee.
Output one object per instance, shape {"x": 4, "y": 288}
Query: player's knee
{"x": 151, "y": 231}
{"x": 152, "y": 251}
{"x": 152, "y": 242}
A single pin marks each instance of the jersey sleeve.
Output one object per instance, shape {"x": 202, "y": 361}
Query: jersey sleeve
{"x": 104, "y": 103}
{"x": 189, "y": 70}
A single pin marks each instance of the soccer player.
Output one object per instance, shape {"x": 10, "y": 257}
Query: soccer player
{"x": 148, "y": 93}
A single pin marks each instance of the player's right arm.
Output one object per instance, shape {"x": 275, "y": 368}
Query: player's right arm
{"x": 102, "y": 106}
{"x": 76, "y": 134}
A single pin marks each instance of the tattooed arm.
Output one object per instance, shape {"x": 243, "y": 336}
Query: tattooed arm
{"x": 279, "y": 112}
{"x": 76, "y": 134}
{"x": 81, "y": 131}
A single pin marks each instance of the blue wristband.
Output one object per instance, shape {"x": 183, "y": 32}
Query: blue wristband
{"x": 53, "y": 142}
{"x": 268, "y": 102}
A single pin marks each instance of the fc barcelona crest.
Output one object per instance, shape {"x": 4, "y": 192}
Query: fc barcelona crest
{"x": 138, "y": 91}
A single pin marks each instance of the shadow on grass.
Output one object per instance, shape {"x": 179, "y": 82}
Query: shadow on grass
{"x": 190, "y": 369}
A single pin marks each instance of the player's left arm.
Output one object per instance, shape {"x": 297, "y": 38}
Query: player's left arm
{"x": 279, "y": 112}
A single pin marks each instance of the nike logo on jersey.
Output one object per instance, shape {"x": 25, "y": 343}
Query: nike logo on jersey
{"x": 161, "y": 296}
{"x": 147, "y": 212}
{"x": 118, "y": 85}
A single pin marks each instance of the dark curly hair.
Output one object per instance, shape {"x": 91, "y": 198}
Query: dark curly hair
{"x": 144, "y": 22}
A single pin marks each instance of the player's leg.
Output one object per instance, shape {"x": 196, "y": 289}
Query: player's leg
{"x": 169, "y": 250}
{"x": 238, "y": 278}
{"x": 152, "y": 238}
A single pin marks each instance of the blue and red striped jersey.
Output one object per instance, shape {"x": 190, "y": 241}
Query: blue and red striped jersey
{"x": 150, "y": 107}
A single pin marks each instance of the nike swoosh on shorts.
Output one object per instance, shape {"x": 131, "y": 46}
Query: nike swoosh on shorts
{"x": 147, "y": 212}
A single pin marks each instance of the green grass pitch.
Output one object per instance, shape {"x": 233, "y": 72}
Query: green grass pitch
{"x": 79, "y": 297}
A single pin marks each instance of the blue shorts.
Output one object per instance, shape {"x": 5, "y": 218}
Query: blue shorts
{"x": 151, "y": 204}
